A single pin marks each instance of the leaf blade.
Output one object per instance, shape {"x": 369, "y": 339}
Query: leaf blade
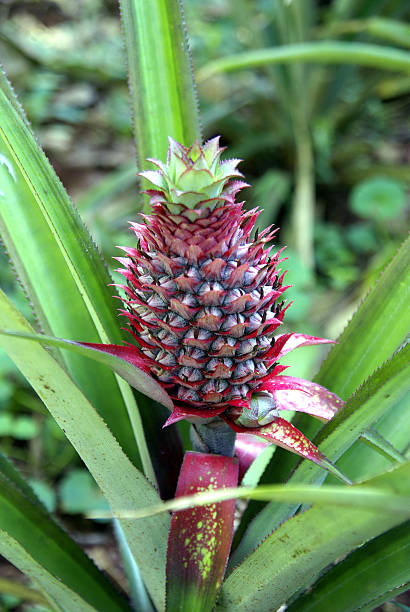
{"x": 166, "y": 105}
{"x": 357, "y": 496}
{"x": 370, "y": 572}
{"x": 330, "y": 52}
{"x": 61, "y": 568}
{"x": 55, "y": 258}
{"x": 293, "y": 555}
{"x": 121, "y": 483}
{"x": 381, "y": 322}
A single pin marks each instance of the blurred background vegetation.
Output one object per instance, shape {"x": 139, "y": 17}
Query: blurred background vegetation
{"x": 326, "y": 149}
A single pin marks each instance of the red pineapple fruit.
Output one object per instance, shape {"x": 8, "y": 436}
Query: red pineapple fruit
{"x": 204, "y": 298}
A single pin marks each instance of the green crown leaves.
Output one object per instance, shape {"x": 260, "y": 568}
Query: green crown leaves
{"x": 192, "y": 175}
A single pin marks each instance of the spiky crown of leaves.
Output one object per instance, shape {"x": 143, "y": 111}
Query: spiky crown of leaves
{"x": 194, "y": 177}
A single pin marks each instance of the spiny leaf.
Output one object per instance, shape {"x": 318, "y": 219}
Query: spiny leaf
{"x": 295, "y": 553}
{"x": 368, "y": 574}
{"x": 375, "y": 331}
{"x": 163, "y": 97}
{"x": 59, "y": 265}
{"x": 120, "y": 482}
{"x": 25, "y": 526}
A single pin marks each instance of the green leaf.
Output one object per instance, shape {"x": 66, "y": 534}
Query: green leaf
{"x": 58, "y": 264}
{"x": 121, "y": 483}
{"x": 370, "y": 572}
{"x": 362, "y": 54}
{"x": 356, "y": 496}
{"x": 361, "y": 460}
{"x": 163, "y": 96}
{"x": 361, "y": 411}
{"x": 375, "y": 331}
{"x": 56, "y": 592}
{"x": 133, "y": 375}
{"x": 137, "y": 591}
{"x": 295, "y": 553}
{"x": 31, "y": 540}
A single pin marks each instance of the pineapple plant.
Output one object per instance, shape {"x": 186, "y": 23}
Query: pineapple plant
{"x": 204, "y": 303}
{"x": 203, "y": 299}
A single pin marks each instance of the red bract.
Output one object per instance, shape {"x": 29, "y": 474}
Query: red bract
{"x": 200, "y": 538}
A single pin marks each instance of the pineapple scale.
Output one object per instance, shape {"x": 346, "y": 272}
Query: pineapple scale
{"x": 202, "y": 295}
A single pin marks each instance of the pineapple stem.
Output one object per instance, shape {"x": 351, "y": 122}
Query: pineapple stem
{"x": 214, "y": 437}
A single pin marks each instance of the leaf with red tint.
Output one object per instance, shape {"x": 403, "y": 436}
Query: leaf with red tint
{"x": 247, "y": 448}
{"x": 314, "y": 400}
{"x": 284, "y": 434}
{"x": 288, "y": 342}
{"x": 273, "y": 383}
{"x": 180, "y": 412}
{"x": 200, "y": 538}
{"x": 124, "y": 360}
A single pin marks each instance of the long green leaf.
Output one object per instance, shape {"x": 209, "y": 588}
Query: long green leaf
{"x": 362, "y": 54}
{"x": 376, "y": 330}
{"x": 31, "y": 540}
{"x": 59, "y": 265}
{"x": 57, "y": 593}
{"x": 371, "y": 572}
{"x": 121, "y": 483}
{"x": 360, "y": 412}
{"x": 163, "y": 95}
{"x": 292, "y": 556}
{"x": 356, "y": 496}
